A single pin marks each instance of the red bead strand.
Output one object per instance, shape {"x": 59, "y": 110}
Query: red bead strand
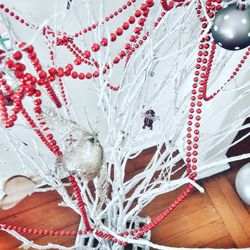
{"x": 80, "y": 202}
{"x": 106, "y": 19}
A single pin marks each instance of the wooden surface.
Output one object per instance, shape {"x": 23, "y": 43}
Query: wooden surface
{"x": 217, "y": 218}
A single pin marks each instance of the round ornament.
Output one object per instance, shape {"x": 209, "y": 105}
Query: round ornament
{"x": 83, "y": 157}
{"x": 231, "y": 27}
{"x": 242, "y": 183}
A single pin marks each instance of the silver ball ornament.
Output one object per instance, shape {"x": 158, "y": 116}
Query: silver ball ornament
{"x": 242, "y": 183}
{"x": 231, "y": 27}
{"x": 83, "y": 157}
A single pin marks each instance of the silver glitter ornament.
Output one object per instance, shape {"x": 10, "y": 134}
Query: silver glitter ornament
{"x": 242, "y": 183}
{"x": 83, "y": 157}
{"x": 231, "y": 27}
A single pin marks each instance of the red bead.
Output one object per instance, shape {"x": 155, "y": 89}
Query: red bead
{"x": 137, "y": 13}
{"x": 122, "y": 54}
{"x": 96, "y": 74}
{"x": 116, "y": 60}
{"x": 104, "y": 42}
{"x": 49, "y": 136}
{"x": 88, "y": 75}
{"x": 132, "y": 39}
{"x": 137, "y": 30}
{"x": 74, "y": 75}
{"x": 119, "y": 31}
{"x": 141, "y": 21}
{"x": 17, "y": 55}
{"x": 127, "y": 46}
{"x": 95, "y": 47}
{"x": 37, "y": 110}
{"x": 52, "y": 71}
{"x": 131, "y": 19}
{"x": 150, "y": 3}
{"x": 69, "y": 67}
{"x": 60, "y": 72}
{"x": 38, "y": 102}
{"x": 144, "y": 6}
{"x": 125, "y": 25}
{"x": 78, "y": 61}
{"x": 112, "y": 37}
{"x": 81, "y": 76}
{"x": 86, "y": 54}
{"x": 145, "y": 12}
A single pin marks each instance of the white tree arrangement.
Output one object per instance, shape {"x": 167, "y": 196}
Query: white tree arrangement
{"x": 156, "y": 77}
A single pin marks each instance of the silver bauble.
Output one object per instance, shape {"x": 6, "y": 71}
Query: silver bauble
{"x": 242, "y": 183}
{"x": 83, "y": 157}
{"x": 231, "y": 27}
